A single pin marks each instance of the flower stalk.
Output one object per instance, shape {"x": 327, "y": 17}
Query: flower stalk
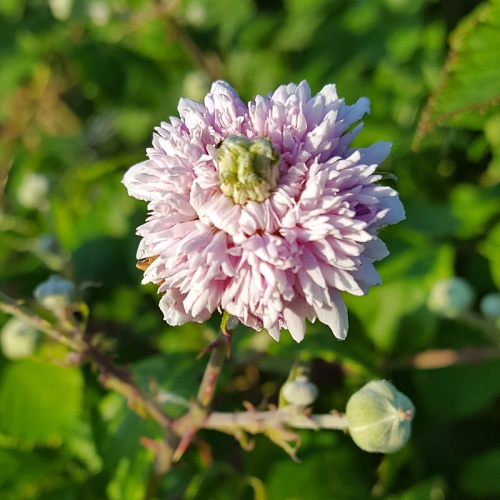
{"x": 259, "y": 422}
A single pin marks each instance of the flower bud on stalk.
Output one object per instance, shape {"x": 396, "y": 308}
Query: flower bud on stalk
{"x": 451, "y": 297}
{"x": 58, "y": 296}
{"x": 18, "y": 339}
{"x": 490, "y": 306}
{"x": 55, "y": 293}
{"x": 33, "y": 191}
{"x": 379, "y": 417}
{"x": 300, "y": 392}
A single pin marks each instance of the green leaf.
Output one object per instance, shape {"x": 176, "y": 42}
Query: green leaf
{"x": 474, "y": 207}
{"x": 40, "y": 402}
{"x": 11, "y": 7}
{"x": 303, "y": 19}
{"x": 215, "y": 14}
{"x": 178, "y": 374}
{"x": 34, "y": 473}
{"x": 481, "y": 474}
{"x": 470, "y": 85}
{"x": 431, "y": 488}
{"x": 434, "y": 219}
{"x": 458, "y": 391}
{"x": 339, "y": 472}
{"x": 490, "y": 248}
{"x": 389, "y": 312}
{"x": 91, "y": 206}
{"x": 125, "y": 459}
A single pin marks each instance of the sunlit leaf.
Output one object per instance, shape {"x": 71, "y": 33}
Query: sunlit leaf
{"x": 39, "y": 401}
{"x": 470, "y": 87}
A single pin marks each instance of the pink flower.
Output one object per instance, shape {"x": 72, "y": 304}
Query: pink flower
{"x": 311, "y": 234}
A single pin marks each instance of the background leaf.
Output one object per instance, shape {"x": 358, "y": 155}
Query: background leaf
{"x": 470, "y": 88}
{"x": 39, "y": 401}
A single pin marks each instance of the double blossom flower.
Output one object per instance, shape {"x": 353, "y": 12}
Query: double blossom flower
{"x": 263, "y": 211}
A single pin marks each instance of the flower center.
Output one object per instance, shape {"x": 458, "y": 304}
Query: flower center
{"x": 248, "y": 169}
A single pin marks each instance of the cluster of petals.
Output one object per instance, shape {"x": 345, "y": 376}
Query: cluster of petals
{"x": 275, "y": 263}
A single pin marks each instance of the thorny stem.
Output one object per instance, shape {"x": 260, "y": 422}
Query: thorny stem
{"x": 17, "y": 309}
{"x": 178, "y": 433}
{"x": 440, "y": 358}
{"x": 207, "y": 387}
{"x": 188, "y": 425}
{"x": 257, "y": 422}
{"x": 111, "y": 376}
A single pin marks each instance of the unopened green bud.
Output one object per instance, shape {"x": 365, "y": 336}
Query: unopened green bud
{"x": 55, "y": 294}
{"x": 451, "y": 297}
{"x": 18, "y": 339}
{"x": 248, "y": 169}
{"x": 379, "y": 417}
{"x": 300, "y": 392}
{"x": 490, "y": 305}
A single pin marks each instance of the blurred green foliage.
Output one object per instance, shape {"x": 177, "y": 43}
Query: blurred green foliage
{"x": 83, "y": 83}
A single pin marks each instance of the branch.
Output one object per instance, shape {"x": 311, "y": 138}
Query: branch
{"x": 259, "y": 422}
{"x": 440, "y": 358}
{"x": 111, "y": 376}
{"x": 187, "y": 426}
{"x": 17, "y": 309}
{"x": 278, "y": 425}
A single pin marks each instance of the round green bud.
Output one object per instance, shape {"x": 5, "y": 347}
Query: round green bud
{"x": 450, "y": 297}
{"x": 18, "y": 339}
{"x": 55, "y": 294}
{"x": 300, "y": 392}
{"x": 248, "y": 169}
{"x": 490, "y": 305}
{"x": 379, "y": 417}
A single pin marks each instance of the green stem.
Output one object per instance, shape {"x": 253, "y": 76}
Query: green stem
{"x": 477, "y": 321}
{"x": 111, "y": 376}
{"x": 212, "y": 371}
{"x": 17, "y": 309}
{"x": 259, "y": 422}
{"x": 187, "y": 426}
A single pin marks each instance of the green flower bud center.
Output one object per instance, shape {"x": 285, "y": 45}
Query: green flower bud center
{"x": 248, "y": 169}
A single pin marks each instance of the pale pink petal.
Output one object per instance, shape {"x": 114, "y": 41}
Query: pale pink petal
{"x": 335, "y": 316}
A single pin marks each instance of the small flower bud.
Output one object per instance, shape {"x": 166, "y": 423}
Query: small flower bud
{"x": 18, "y": 339}
{"x": 99, "y": 12}
{"x": 490, "y": 305}
{"x": 61, "y": 9}
{"x": 55, "y": 293}
{"x": 300, "y": 392}
{"x": 450, "y": 297}
{"x": 379, "y": 417}
{"x": 32, "y": 192}
{"x": 248, "y": 169}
